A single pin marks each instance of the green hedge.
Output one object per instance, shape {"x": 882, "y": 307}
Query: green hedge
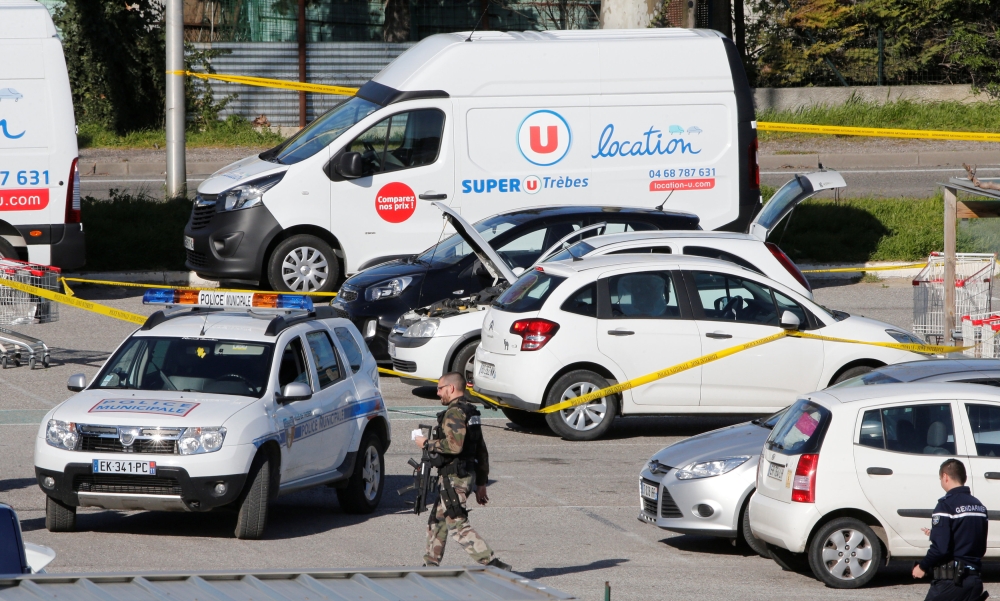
{"x": 134, "y": 232}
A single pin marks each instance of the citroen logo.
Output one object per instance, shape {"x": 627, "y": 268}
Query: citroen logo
{"x": 491, "y": 325}
{"x": 127, "y": 436}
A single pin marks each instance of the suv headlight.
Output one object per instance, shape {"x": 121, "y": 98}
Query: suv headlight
{"x": 388, "y": 289}
{"x": 713, "y": 467}
{"x": 249, "y": 194}
{"x": 201, "y": 440}
{"x": 905, "y": 337}
{"x": 61, "y": 435}
{"x": 423, "y": 329}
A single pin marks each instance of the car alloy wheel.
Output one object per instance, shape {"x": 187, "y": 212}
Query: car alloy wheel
{"x": 371, "y": 473}
{"x": 587, "y": 416}
{"x": 305, "y": 269}
{"x": 847, "y": 554}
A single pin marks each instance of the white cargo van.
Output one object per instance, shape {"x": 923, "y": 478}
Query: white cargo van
{"x": 39, "y": 181}
{"x": 487, "y": 123}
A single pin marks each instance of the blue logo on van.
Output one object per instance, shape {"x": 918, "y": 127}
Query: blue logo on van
{"x": 7, "y": 134}
{"x": 544, "y": 138}
{"x": 648, "y": 145}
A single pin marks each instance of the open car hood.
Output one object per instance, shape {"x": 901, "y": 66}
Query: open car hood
{"x": 789, "y": 196}
{"x": 489, "y": 257}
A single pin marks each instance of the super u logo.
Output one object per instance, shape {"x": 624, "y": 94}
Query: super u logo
{"x": 544, "y": 138}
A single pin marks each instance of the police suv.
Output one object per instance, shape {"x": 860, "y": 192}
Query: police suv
{"x": 222, "y": 400}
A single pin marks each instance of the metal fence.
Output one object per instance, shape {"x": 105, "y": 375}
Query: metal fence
{"x": 337, "y": 63}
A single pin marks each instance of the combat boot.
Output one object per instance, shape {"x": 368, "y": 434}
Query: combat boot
{"x": 499, "y": 564}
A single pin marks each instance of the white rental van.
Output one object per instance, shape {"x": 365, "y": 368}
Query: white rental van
{"x": 488, "y": 122}
{"x": 39, "y": 180}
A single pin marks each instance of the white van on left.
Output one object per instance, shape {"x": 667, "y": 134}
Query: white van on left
{"x": 39, "y": 178}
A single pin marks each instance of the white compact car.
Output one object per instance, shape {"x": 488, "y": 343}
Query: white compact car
{"x": 849, "y": 476}
{"x": 227, "y": 403}
{"x": 568, "y": 328}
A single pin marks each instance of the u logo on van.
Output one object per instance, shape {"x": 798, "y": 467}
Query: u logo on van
{"x": 7, "y": 134}
{"x": 543, "y": 138}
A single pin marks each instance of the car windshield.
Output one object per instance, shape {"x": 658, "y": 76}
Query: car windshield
{"x": 191, "y": 365}
{"x": 453, "y": 249}
{"x": 576, "y": 251}
{"x": 321, "y": 132}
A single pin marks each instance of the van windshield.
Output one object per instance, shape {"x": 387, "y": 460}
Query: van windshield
{"x": 321, "y": 132}
{"x": 453, "y": 249}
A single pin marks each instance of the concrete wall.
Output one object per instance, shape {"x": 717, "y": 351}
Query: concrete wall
{"x": 782, "y": 99}
{"x": 627, "y": 14}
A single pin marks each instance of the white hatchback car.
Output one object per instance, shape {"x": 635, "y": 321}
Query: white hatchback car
{"x": 568, "y": 328}
{"x": 849, "y": 476}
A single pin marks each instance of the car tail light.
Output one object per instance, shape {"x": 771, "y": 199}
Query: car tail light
{"x": 73, "y": 194}
{"x": 789, "y": 266}
{"x": 534, "y": 332}
{"x": 804, "y": 483}
{"x": 754, "y": 166}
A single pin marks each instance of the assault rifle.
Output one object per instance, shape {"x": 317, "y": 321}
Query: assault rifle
{"x": 424, "y": 481}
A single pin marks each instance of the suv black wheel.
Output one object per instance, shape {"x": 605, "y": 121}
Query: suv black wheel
{"x": 303, "y": 263}
{"x": 855, "y": 371}
{"x": 7, "y": 250}
{"x": 59, "y": 517}
{"x": 252, "y": 507}
{"x": 464, "y": 361}
{"x": 845, "y": 553}
{"x": 364, "y": 490}
{"x": 589, "y": 421}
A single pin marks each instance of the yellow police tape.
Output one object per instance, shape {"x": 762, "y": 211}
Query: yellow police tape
{"x": 69, "y": 291}
{"x": 850, "y": 269}
{"x": 264, "y": 82}
{"x": 878, "y": 132}
{"x": 75, "y": 302}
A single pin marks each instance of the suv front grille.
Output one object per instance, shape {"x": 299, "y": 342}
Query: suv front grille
{"x": 97, "y": 444}
{"x": 201, "y": 214}
{"x": 125, "y": 484}
{"x": 196, "y": 259}
{"x": 649, "y": 506}
{"x": 406, "y": 366}
{"x": 348, "y": 294}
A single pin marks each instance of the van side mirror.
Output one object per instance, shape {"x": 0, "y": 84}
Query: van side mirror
{"x": 790, "y": 321}
{"x": 77, "y": 382}
{"x": 295, "y": 391}
{"x": 350, "y": 166}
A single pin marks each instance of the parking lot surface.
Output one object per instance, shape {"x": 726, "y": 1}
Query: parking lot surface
{"x": 562, "y": 513}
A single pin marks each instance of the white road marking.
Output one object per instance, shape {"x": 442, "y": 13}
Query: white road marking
{"x": 883, "y": 170}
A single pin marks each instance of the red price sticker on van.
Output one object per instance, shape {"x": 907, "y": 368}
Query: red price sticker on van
{"x": 395, "y": 202}
{"x": 666, "y": 185}
{"x": 24, "y": 200}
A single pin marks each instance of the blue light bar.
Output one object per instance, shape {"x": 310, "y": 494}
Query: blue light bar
{"x": 294, "y": 301}
{"x": 159, "y": 297}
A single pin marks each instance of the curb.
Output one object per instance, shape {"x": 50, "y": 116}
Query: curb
{"x": 179, "y": 278}
{"x": 147, "y": 168}
{"x": 860, "y": 159}
{"x": 908, "y": 273}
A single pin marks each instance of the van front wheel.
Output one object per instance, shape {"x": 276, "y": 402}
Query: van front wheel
{"x": 303, "y": 263}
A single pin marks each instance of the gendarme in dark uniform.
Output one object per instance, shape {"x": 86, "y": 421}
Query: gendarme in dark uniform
{"x": 958, "y": 540}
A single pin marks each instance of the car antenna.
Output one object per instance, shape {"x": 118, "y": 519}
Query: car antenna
{"x": 204, "y": 324}
{"x": 660, "y": 208}
{"x": 481, "y": 15}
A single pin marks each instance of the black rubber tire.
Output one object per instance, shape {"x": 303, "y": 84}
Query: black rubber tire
{"x": 818, "y": 543}
{"x": 7, "y": 250}
{"x": 59, "y": 517}
{"x": 274, "y": 270}
{"x": 557, "y": 421}
{"x": 788, "y": 561}
{"x": 745, "y": 535}
{"x": 353, "y": 498}
{"x": 526, "y": 419}
{"x": 855, "y": 371}
{"x": 461, "y": 359}
{"x": 251, "y": 517}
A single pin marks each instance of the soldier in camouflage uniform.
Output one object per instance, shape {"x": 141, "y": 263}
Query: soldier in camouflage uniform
{"x": 464, "y": 451}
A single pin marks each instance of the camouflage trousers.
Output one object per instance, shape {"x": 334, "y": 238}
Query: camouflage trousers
{"x": 440, "y": 525}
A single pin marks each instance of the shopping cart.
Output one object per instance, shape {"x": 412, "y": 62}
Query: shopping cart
{"x": 973, "y": 292}
{"x": 21, "y": 308}
{"x": 981, "y": 333}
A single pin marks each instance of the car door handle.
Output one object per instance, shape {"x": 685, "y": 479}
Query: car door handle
{"x": 879, "y": 471}
{"x": 621, "y": 332}
{"x": 718, "y": 335}
{"x": 429, "y": 196}
{"x": 993, "y": 475}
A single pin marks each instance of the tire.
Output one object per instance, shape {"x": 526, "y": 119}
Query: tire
{"x": 59, "y": 517}
{"x": 251, "y": 519}
{"x": 526, "y": 419}
{"x": 303, "y": 263}
{"x": 852, "y": 373}
{"x": 31, "y": 363}
{"x": 7, "y": 250}
{"x": 845, "y": 553}
{"x": 788, "y": 561}
{"x": 746, "y": 536}
{"x": 464, "y": 361}
{"x": 364, "y": 490}
{"x": 583, "y": 422}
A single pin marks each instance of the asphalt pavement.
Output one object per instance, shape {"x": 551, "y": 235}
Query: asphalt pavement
{"x": 560, "y": 512}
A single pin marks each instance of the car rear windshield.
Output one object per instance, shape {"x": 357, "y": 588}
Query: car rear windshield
{"x": 801, "y": 430}
{"x": 529, "y": 292}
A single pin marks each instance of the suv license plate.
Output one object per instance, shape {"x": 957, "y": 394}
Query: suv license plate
{"x": 775, "y": 471}
{"x": 189, "y": 242}
{"x": 111, "y": 466}
{"x": 648, "y": 490}
{"x": 487, "y": 370}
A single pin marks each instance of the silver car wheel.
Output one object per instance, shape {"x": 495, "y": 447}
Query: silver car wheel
{"x": 304, "y": 269}
{"x": 470, "y": 370}
{"x": 587, "y": 416}
{"x": 371, "y": 473}
{"x": 847, "y": 554}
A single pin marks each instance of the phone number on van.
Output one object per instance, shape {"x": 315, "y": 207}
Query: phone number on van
{"x": 683, "y": 172}
{"x": 25, "y": 177}
{"x": 24, "y": 200}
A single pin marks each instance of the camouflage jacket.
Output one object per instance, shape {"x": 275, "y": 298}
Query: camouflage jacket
{"x": 454, "y": 430}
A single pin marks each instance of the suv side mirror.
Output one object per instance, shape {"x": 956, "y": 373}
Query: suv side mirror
{"x": 77, "y": 382}
{"x": 295, "y": 391}
{"x": 350, "y": 166}
{"x": 790, "y": 321}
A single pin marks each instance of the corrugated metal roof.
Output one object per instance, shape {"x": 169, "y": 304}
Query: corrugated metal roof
{"x": 359, "y": 584}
